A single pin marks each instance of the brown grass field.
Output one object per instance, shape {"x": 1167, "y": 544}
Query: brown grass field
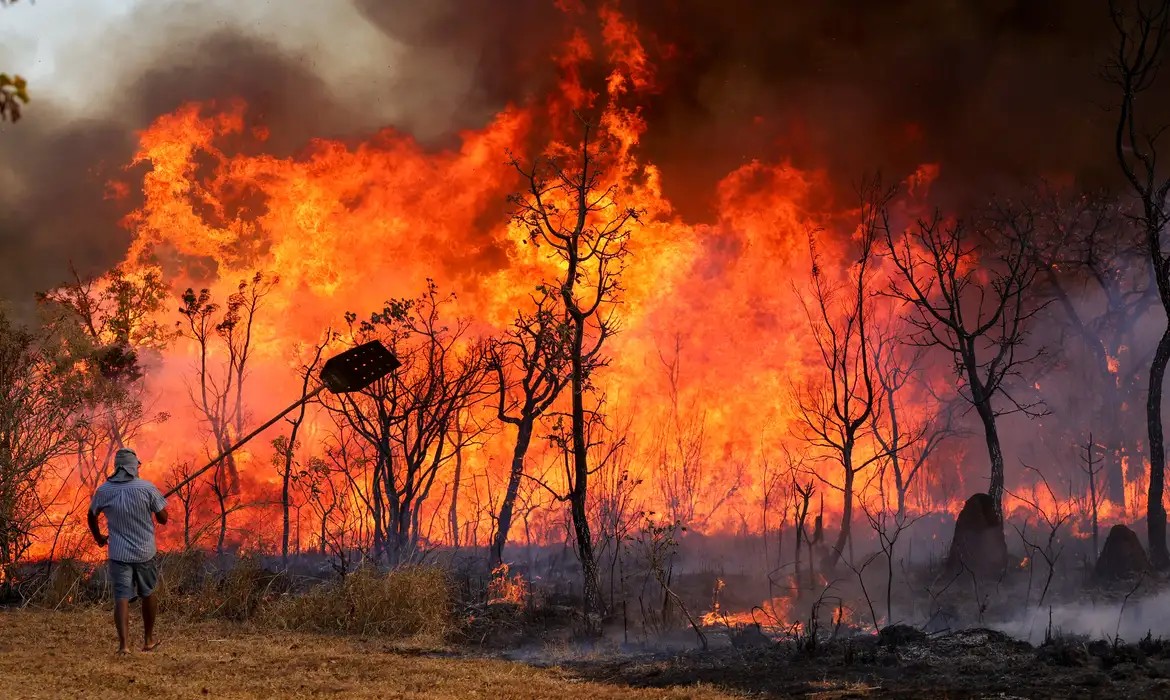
{"x": 71, "y": 655}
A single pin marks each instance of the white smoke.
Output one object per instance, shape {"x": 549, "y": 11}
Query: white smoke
{"x": 1108, "y": 619}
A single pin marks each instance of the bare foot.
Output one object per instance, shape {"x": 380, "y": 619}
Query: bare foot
{"x": 122, "y": 652}
{"x": 151, "y": 646}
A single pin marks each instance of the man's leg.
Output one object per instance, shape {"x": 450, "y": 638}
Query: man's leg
{"x": 121, "y": 578}
{"x": 146, "y": 581}
{"x": 122, "y": 622}
{"x": 149, "y": 608}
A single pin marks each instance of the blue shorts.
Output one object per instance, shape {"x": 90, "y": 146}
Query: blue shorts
{"x": 133, "y": 580}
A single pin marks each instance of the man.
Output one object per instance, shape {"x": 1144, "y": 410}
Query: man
{"x": 129, "y": 504}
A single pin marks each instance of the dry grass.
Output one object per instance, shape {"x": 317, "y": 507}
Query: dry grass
{"x": 70, "y": 655}
{"x": 409, "y": 602}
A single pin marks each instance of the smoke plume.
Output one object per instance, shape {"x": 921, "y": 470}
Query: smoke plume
{"x": 997, "y": 92}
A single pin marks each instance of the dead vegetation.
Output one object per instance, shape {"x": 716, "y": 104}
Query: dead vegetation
{"x": 410, "y": 602}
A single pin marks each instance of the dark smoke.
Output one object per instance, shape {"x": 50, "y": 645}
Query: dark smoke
{"x": 998, "y": 92}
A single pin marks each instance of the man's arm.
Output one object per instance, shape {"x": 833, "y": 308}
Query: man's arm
{"x": 95, "y": 531}
{"x": 159, "y": 506}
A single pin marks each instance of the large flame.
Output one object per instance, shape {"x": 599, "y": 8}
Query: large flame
{"x": 347, "y": 227}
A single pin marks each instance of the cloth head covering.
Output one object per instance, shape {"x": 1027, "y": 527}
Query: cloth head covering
{"x": 125, "y": 466}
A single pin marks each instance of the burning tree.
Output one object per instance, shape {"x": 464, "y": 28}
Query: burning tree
{"x": 1142, "y": 33}
{"x": 970, "y": 296}
{"x": 114, "y": 321}
{"x": 407, "y": 420}
{"x": 693, "y": 489}
{"x": 218, "y": 394}
{"x": 569, "y": 206}
{"x": 284, "y": 456}
{"x": 41, "y": 390}
{"x": 836, "y": 413}
{"x": 531, "y": 362}
{"x": 907, "y": 437}
{"x": 1087, "y": 244}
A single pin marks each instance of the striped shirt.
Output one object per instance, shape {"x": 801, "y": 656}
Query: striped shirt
{"x": 129, "y": 507}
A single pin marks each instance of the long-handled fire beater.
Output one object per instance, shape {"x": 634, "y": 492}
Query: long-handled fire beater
{"x": 353, "y": 370}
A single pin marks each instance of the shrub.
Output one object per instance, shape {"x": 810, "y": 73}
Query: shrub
{"x": 412, "y": 601}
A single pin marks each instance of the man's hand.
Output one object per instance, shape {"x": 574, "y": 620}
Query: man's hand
{"x": 98, "y": 537}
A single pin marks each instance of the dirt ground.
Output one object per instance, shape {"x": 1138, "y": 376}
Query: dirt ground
{"x": 70, "y": 655}
{"x": 907, "y": 664}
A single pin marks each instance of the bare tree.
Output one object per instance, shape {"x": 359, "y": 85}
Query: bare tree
{"x": 907, "y": 442}
{"x": 1054, "y": 519}
{"x": 802, "y": 495}
{"x": 407, "y": 419}
{"x": 773, "y": 497}
{"x": 341, "y": 491}
{"x": 218, "y": 393}
{"x": 613, "y": 500}
{"x": 531, "y": 362}
{"x": 1142, "y": 32}
{"x": 286, "y": 447}
{"x": 40, "y": 392}
{"x": 835, "y": 412}
{"x": 1088, "y": 244}
{"x": 888, "y": 528}
{"x": 970, "y": 298}
{"x": 1091, "y": 465}
{"x": 693, "y": 488}
{"x": 187, "y": 492}
{"x": 569, "y": 206}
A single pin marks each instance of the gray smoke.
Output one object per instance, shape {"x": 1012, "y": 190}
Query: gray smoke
{"x": 999, "y": 92}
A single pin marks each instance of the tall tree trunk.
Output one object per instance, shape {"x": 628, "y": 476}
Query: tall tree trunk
{"x": 846, "y": 513}
{"x": 592, "y": 586}
{"x": 284, "y": 504}
{"x": 507, "y": 508}
{"x": 222, "y": 522}
{"x": 1114, "y": 476}
{"x": 1155, "y": 510}
{"x": 995, "y": 454}
{"x": 982, "y": 401}
{"x": 453, "y": 512}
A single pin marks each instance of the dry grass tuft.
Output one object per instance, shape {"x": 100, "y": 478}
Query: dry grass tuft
{"x": 406, "y": 602}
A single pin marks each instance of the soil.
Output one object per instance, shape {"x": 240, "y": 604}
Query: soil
{"x": 238, "y": 661}
{"x": 1122, "y": 557}
{"x": 906, "y": 664}
{"x": 978, "y": 544}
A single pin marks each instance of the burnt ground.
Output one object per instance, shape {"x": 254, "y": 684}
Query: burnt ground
{"x": 968, "y": 664}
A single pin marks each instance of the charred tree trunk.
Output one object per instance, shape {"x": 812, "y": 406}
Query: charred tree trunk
{"x": 453, "y": 513}
{"x": 507, "y": 508}
{"x": 846, "y": 513}
{"x": 995, "y": 455}
{"x": 577, "y": 497}
{"x": 1155, "y": 510}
